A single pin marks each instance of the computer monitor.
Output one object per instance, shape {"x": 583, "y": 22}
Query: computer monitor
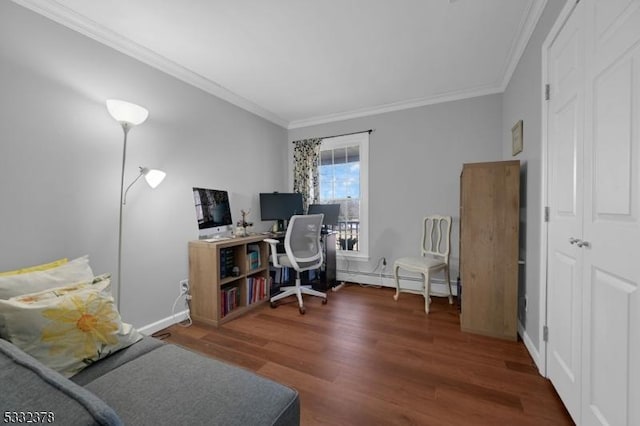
{"x": 331, "y": 213}
{"x": 280, "y": 206}
{"x": 212, "y": 211}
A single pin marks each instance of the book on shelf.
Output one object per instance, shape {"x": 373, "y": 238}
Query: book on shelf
{"x": 254, "y": 260}
{"x": 227, "y": 261}
{"x": 229, "y": 300}
{"x": 257, "y": 289}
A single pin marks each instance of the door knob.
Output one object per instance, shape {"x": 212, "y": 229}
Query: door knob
{"x": 573, "y": 240}
{"x": 581, "y": 243}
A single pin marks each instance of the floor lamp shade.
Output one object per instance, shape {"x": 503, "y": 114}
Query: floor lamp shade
{"x": 154, "y": 177}
{"x": 126, "y": 112}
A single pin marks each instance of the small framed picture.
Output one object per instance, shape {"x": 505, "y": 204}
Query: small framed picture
{"x": 516, "y": 138}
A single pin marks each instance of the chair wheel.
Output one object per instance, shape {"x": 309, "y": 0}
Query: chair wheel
{"x": 324, "y": 301}
{"x": 273, "y": 305}
{"x": 301, "y": 309}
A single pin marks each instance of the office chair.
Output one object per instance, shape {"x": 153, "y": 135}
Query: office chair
{"x": 436, "y": 236}
{"x": 303, "y": 253}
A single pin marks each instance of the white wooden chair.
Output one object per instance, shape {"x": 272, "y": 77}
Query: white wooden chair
{"x": 303, "y": 252}
{"x": 436, "y": 245}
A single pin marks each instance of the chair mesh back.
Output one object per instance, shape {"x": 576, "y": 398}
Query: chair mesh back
{"x": 302, "y": 241}
{"x": 436, "y": 236}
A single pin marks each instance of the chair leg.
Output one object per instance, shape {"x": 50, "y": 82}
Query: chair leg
{"x": 312, "y": 292}
{"x": 427, "y": 291}
{"x": 448, "y": 278}
{"x": 395, "y": 275}
{"x": 299, "y": 296}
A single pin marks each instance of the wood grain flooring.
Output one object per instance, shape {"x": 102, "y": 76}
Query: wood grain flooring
{"x": 364, "y": 359}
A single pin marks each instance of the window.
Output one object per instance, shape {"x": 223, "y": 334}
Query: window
{"x": 344, "y": 180}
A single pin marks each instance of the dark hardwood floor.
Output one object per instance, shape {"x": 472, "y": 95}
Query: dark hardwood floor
{"x": 364, "y": 359}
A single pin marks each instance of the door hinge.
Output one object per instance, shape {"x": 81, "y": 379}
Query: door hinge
{"x": 545, "y": 333}
{"x": 546, "y": 213}
{"x": 547, "y": 92}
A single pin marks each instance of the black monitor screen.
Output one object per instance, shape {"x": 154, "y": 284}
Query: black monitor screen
{"x": 280, "y": 205}
{"x": 212, "y": 208}
{"x": 331, "y": 212}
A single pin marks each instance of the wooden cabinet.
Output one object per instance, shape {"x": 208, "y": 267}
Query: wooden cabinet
{"x": 489, "y": 222}
{"x": 226, "y": 280}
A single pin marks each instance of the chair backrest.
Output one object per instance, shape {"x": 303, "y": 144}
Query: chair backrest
{"x": 302, "y": 241}
{"x": 436, "y": 236}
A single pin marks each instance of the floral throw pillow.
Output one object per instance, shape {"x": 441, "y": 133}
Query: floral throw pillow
{"x": 67, "y": 329}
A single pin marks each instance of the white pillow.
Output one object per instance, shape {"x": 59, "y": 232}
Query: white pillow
{"x": 67, "y": 328}
{"x": 73, "y": 271}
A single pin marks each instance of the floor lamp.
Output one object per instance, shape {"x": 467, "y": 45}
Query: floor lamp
{"x": 129, "y": 115}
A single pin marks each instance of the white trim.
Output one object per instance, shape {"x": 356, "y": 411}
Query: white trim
{"x": 535, "y": 355}
{"x": 529, "y": 23}
{"x": 551, "y": 36}
{"x": 518, "y": 47}
{"x": 149, "y": 329}
{"x": 362, "y": 140}
{"x": 70, "y": 19}
{"x": 81, "y": 24}
{"x": 438, "y": 285}
{"x": 396, "y": 106}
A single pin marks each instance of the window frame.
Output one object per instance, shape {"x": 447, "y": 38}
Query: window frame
{"x": 362, "y": 141}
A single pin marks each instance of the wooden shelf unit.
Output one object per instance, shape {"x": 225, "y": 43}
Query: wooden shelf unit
{"x": 489, "y": 223}
{"x": 206, "y": 284}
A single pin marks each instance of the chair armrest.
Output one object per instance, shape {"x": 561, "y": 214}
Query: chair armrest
{"x": 274, "y": 251}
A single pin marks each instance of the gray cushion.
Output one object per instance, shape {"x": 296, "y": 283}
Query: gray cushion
{"x": 27, "y": 385}
{"x": 173, "y": 383}
{"x": 115, "y": 360}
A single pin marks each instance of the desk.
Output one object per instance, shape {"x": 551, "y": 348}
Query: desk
{"x": 323, "y": 279}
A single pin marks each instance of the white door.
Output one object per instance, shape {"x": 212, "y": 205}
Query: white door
{"x": 564, "y": 258}
{"x": 611, "y": 320}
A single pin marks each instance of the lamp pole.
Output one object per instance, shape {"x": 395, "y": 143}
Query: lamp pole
{"x": 125, "y": 128}
{"x": 128, "y": 115}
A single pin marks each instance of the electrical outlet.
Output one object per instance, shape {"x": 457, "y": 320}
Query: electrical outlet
{"x": 184, "y": 286}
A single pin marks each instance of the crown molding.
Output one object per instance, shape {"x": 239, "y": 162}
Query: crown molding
{"x": 396, "y": 106}
{"x": 79, "y": 23}
{"x": 528, "y": 24}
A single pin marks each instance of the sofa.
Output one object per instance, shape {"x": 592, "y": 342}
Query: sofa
{"x": 147, "y": 383}
{"x": 66, "y": 357}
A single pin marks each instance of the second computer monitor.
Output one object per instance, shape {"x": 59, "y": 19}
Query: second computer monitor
{"x": 331, "y": 212}
{"x": 280, "y": 206}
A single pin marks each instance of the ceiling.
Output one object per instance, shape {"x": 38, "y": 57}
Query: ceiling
{"x": 304, "y": 62}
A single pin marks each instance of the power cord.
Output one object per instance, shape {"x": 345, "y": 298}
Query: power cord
{"x": 184, "y": 291}
{"x": 187, "y": 298}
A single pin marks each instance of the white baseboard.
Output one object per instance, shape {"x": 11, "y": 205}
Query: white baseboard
{"x": 528, "y": 343}
{"x": 438, "y": 285}
{"x": 164, "y": 323}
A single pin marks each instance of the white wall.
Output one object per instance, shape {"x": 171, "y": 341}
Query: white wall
{"x": 61, "y": 153}
{"x": 416, "y": 156}
{"x": 522, "y": 100}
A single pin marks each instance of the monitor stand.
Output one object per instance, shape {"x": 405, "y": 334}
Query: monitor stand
{"x": 281, "y": 225}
